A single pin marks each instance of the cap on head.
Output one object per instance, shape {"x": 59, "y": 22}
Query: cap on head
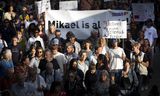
{"x": 149, "y": 20}
{"x": 114, "y": 40}
{"x": 58, "y": 30}
{"x": 55, "y": 41}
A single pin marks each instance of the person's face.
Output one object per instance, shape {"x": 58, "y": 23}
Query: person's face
{"x": 39, "y": 52}
{"x": 8, "y": 55}
{"x": 87, "y": 45}
{"x": 27, "y": 61}
{"x": 40, "y": 27}
{"x": 95, "y": 34}
{"x": 135, "y": 48}
{"x": 72, "y": 40}
{"x": 31, "y": 17}
{"x": 104, "y": 77}
{"x": 54, "y": 51}
{"x": 24, "y": 9}
{"x": 33, "y": 51}
{"x": 84, "y": 56}
{"x": 69, "y": 49}
{"x": 19, "y": 35}
{"x": 115, "y": 44}
{"x": 141, "y": 35}
{"x": 74, "y": 65}
{"x": 52, "y": 29}
{"x": 99, "y": 61}
{"x": 148, "y": 24}
{"x": 36, "y": 34}
{"x": 14, "y": 41}
{"x": 99, "y": 50}
{"x": 146, "y": 42}
{"x": 58, "y": 34}
{"x": 11, "y": 8}
{"x": 48, "y": 55}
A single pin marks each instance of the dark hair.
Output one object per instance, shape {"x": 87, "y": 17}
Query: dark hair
{"x": 87, "y": 41}
{"x": 54, "y": 86}
{"x": 71, "y": 63}
{"x": 37, "y": 44}
{"x": 114, "y": 90}
{"x": 24, "y": 58}
{"x": 92, "y": 66}
{"x": 37, "y": 48}
{"x": 58, "y": 31}
{"x": 103, "y": 58}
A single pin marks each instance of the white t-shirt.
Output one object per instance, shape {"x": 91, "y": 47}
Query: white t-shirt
{"x": 77, "y": 47}
{"x": 116, "y": 61}
{"x": 60, "y": 57}
{"x": 32, "y": 40}
{"x": 105, "y": 49}
{"x": 150, "y": 34}
{"x": 27, "y": 23}
{"x": 83, "y": 67}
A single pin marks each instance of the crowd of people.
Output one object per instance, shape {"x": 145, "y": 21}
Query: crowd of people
{"x": 35, "y": 64}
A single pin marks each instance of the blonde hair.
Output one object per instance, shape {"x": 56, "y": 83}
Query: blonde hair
{"x": 7, "y": 54}
{"x": 102, "y": 41}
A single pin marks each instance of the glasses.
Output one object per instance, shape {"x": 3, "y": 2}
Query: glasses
{"x": 39, "y": 51}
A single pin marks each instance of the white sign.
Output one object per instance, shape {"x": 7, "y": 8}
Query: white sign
{"x": 143, "y": 11}
{"x": 46, "y": 5}
{"x": 116, "y": 29}
{"x": 81, "y": 23}
{"x": 42, "y": 6}
{"x": 38, "y": 5}
{"x": 68, "y": 5}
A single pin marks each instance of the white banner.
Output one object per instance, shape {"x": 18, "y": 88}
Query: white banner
{"x": 143, "y": 11}
{"x": 68, "y": 5}
{"x": 81, "y": 23}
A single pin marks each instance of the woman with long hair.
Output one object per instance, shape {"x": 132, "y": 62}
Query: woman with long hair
{"x": 103, "y": 84}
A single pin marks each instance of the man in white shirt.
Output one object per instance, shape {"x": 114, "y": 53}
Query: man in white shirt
{"x": 150, "y": 33}
{"x": 116, "y": 57}
{"x": 60, "y": 57}
{"x": 34, "y": 39}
